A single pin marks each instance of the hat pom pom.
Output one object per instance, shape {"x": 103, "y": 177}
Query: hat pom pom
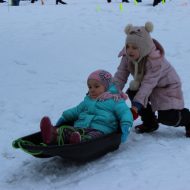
{"x": 149, "y": 26}
{"x": 128, "y": 28}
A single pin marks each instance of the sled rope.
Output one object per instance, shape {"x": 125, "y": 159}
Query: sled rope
{"x": 20, "y": 142}
{"x": 60, "y": 137}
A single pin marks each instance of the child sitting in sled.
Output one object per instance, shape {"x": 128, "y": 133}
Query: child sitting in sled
{"x": 103, "y": 111}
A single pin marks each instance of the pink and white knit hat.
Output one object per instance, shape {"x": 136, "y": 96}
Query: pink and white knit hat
{"x": 104, "y": 77}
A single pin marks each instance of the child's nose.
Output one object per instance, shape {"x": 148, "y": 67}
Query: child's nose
{"x": 92, "y": 90}
{"x": 129, "y": 50}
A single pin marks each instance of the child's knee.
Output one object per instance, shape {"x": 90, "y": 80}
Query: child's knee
{"x": 169, "y": 117}
{"x": 174, "y": 117}
{"x": 185, "y": 117}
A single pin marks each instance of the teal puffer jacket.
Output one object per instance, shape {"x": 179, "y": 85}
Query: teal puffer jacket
{"x": 105, "y": 116}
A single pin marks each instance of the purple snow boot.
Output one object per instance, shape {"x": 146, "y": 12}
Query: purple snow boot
{"x": 75, "y": 138}
{"x": 48, "y": 131}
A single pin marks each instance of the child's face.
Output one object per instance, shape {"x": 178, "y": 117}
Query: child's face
{"x": 95, "y": 88}
{"x": 133, "y": 52}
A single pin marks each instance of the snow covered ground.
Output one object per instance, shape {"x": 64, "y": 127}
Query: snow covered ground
{"x": 46, "y": 54}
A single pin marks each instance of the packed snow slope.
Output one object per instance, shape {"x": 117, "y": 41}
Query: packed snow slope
{"x": 46, "y": 54}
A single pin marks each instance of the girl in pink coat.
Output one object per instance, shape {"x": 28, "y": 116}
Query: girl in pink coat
{"x": 156, "y": 85}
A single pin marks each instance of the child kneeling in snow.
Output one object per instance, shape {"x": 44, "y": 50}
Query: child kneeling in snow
{"x": 102, "y": 111}
{"x": 156, "y": 85}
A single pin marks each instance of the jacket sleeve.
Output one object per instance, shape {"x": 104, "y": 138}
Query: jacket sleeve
{"x": 122, "y": 74}
{"x": 70, "y": 115}
{"x": 149, "y": 82}
{"x": 125, "y": 117}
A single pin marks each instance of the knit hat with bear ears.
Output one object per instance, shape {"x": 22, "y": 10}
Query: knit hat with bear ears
{"x": 139, "y": 36}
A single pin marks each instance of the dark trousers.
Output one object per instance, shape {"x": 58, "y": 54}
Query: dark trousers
{"x": 171, "y": 117}
{"x": 60, "y": 1}
{"x": 156, "y": 2}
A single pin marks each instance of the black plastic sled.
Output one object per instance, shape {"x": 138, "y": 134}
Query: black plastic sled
{"x": 82, "y": 152}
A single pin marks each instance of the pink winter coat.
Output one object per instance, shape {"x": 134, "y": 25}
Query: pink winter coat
{"x": 160, "y": 85}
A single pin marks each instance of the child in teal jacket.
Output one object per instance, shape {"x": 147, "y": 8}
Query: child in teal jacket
{"x": 102, "y": 111}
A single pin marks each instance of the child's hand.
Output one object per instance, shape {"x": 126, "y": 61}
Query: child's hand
{"x": 134, "y": 113}
{"x": 136, "y": 107}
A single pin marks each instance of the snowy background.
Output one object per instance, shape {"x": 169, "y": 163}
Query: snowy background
{"x": 46, "y": 54}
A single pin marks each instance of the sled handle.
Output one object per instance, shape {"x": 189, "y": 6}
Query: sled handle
{"x": 20, "y": 142}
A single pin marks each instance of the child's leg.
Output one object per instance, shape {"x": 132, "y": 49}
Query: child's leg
{"x": 75, "y": 135}
{"x": 68, "y": 135}
{"x": 147, "y": 116}
{"x": 155, "y": 2}
{"x": 89, "y": 134}
{"x": 176, "y": 118}
{"x": 150, "y": 122}
{"x": 51, "y": 134}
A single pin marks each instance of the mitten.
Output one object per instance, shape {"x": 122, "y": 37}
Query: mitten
{"x": 125, "y": 129}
